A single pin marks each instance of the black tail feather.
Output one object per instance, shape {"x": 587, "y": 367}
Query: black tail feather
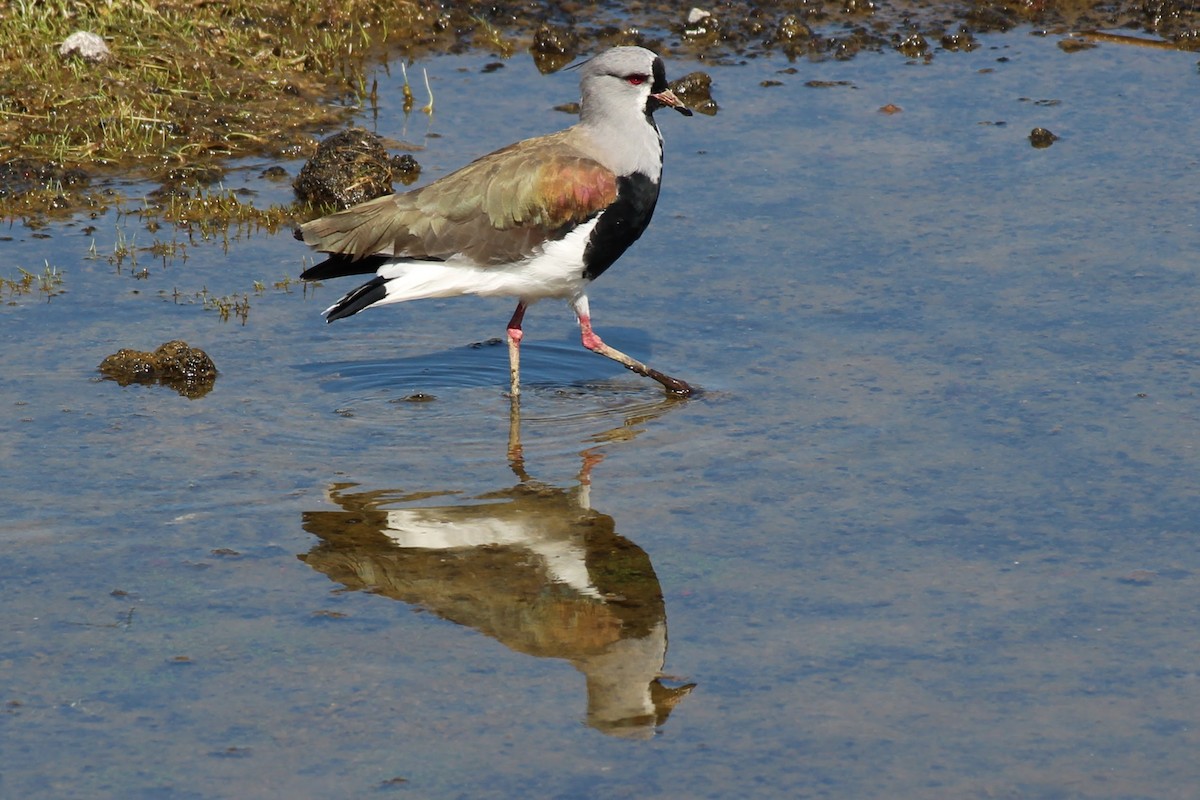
{"x": 368, "y": 294}
{"x": 338, "y": 265}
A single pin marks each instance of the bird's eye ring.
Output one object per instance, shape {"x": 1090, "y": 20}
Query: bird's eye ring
{"x": 637, "y": 79}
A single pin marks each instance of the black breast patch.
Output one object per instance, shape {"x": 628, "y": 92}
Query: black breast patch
{"x": 620, "y": 224}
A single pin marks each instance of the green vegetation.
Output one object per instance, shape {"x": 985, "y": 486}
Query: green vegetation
{"x": 184, "y": 79}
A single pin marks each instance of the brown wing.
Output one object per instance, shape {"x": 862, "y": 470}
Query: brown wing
{"x": 496, "y": 209}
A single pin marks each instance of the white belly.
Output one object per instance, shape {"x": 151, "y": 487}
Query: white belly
{"x": 555, "y": 272}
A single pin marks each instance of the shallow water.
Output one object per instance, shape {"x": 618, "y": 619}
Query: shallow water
{"x": 929, "y": 532}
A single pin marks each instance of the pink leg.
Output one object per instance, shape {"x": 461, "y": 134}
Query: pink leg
{"x": 592, "y": 342}
{"x": 515, "y": 334}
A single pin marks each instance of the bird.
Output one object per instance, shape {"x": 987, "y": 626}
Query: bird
{"x": 541, "y": 218}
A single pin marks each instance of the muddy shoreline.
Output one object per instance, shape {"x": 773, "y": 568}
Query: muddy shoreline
{"x": 267, "y": 91}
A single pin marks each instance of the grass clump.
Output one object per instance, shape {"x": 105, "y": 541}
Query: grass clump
{"x": 49, "y": 282}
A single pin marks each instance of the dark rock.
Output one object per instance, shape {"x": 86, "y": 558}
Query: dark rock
{"x": 188, "y": 370}
{"x": 352, "y": 167}
{"x": 1040, "y": 137}
{"x": 962, "y": 41}
{"x": 695, "y": 90}
{"x": 553, "y": 48}
{"x": 913, "y": 46}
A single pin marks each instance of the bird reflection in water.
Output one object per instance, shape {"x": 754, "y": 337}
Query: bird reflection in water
{"x": 533, "y": 566}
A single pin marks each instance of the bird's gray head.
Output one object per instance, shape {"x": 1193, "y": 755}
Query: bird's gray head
{"x": 628, "y": 77}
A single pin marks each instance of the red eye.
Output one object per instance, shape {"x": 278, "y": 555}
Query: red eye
{"x": 636, "y": 80}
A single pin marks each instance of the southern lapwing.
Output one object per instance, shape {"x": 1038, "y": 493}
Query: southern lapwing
{"x": 540, "y": 218}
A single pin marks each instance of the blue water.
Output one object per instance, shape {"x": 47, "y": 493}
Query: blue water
{"x": 929, "y": 532}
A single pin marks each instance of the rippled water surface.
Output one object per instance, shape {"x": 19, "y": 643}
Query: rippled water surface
{"x": 930, "y": 531}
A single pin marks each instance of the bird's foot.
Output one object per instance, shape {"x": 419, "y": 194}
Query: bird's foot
{"x": 673, "y": 385}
